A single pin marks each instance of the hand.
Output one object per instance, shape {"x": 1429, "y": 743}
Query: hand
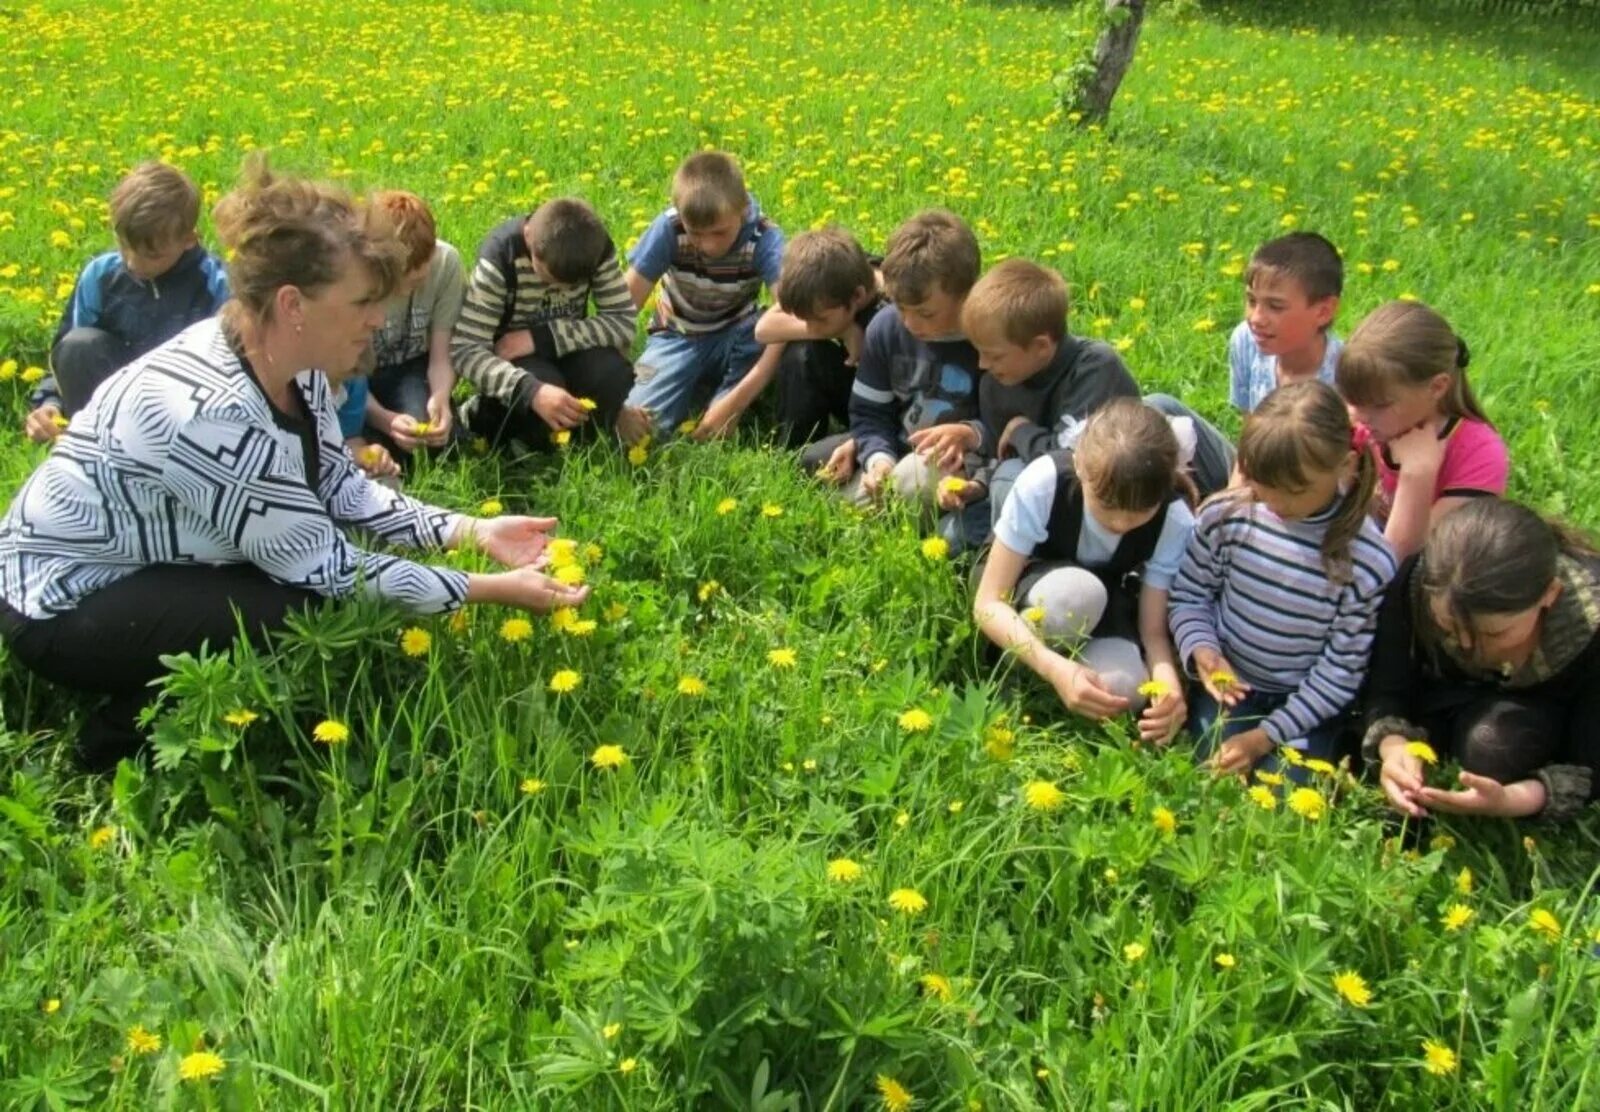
{"x": 1003, "y": 448}
{"x": 530, "y": 589}
{"x": 1402, "y": 776}
{"x": 1239, "y": 753}
{"x": 944, "y": 445}
{"x": 1480, "y": 796}
{"x": 872, "y": 480}
{"x": 954, "y": 492}
{"x": 1215, "y": 672}
{"x": 404, "y": 432}
{"x": 1164, "y": 717}
{"x": 1418, "y": 452}
{"x": 557, "y": 408}
{"x": 852, "y": 343}
{"x": 514, "y": 345}
{"x": 44, "y": 424}
{"x": 841, "y": 463}
{"x": 375, "y": 460}
{"x": 720, "y": 420}
{"x": 440, "y": 420}
{"x": 634, "y": 424}
{"x": 512, "y": 541}
{"x": 1083, "y": 691}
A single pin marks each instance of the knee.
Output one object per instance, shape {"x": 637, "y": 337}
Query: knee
{"x": 81, "y": 344}
{"x": 1072, "y": 600}
{"x": 915, "y": 479}
{"x": 1120, "y": 666}
{"x": 1166, "y": 403}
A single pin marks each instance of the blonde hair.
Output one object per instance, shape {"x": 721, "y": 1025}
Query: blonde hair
{"x": 1019, "y": 300}
{"x": 1300, "y": 432}
{"x": 823, "y": 269}
{"x": 1405, "y": 343}
{"x": 1127, "y": 457}
{"x": 707, "y": 187}
{"x": 288, "y": 231}
{"x": 933, "y": 249}
{"x": 154, "y": 206}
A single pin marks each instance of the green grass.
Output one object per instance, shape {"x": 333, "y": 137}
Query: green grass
{"x": 395, "y": 922}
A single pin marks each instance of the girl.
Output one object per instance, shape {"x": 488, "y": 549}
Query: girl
{"x": 1090, "y": 539}
{"x": 1488, "y": 650}
{"x": 1275, "y": 602}
{"x": 1404, "y": 374}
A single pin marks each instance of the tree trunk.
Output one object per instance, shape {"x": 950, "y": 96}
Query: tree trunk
{"x": 1113, "y": 54}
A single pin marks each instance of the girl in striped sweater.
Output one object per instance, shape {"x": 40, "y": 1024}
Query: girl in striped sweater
{"x": 1276, "y": 600}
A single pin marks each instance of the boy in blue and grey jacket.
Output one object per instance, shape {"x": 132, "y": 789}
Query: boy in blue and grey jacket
{"x": 126, "y": 302}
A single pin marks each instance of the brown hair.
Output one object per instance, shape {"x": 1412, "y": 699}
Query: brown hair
{"x": 1127, "y": 457}
{"x": 1405, "y": 343}
{"x": 1309, "y": 259}
{"x": 707, "y": 187}
{"x": 1301, "y": 431}
{"x": 823, "y": 269}
{"x": 1018, "y": 299}
{"x": 933, "y": 249}
{"x": 153, "y": 206}
{"x": 413, "y": 223}
{"x": 1492, "y": 557}
{"x": 287, "y": 231}
{"x": 567, "y": 236}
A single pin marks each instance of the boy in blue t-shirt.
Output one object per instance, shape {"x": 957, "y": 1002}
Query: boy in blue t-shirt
{"x": 129, "y": 301}
{"x": 1291, "y": 295}
{"x": 711, "y": 252}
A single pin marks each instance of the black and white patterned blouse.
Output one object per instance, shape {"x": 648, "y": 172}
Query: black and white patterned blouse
{"x": 179, "y": 459}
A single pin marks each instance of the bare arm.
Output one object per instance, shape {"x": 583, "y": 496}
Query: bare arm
{"x": 639, "y": 287}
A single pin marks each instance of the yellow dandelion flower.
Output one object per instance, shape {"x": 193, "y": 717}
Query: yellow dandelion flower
{"x": 842, "y": 870}
{"x": 782, "y": 658}
{"x": 513, "y": 630}
{"x": 532, "y": 786}
{"x": 562, "y": 618}
{"x": 727, "y": 506}
{"x": 1308, "y": 804}
{"x": 1437, "y": 1058}
{"x": 611, "y": 1030}
{"x": 1136, "y": 304}
{"x": 1456, "y": 916}
{"x": 588, "y": 405}
{"x": 423, "y": 428}
{"x": 1423, "y": 752}
{"x": 614, "y": 612}
{"x": 1133, "y": 951}
{"x": 896, "y": 1097}
{"x": 240, "y": 718}
{"x": 141, "y": 1041}
{"x": 999, "y": 742}
{"x": 707, "y": 589}
{"x": 627, "y": 1065}
{"x": 692, "y": 686}
{"x": 1222, "y": 679}
{"x": 771, "y": 509}
{"x": 32, "y": 375}
{"x": 1154, "y": 689}
{"x": 639, "y": 453}
{"x": 583, "y": 627}
{"x": 902, "y": 820}
{"x": 1225, "y": 961}
{"x": 1543, "y": 922}
{"x": 460, "y": 621}
{"x": 1263, "y": 797}
{"x": 1165, "y": 821}
{"x": 102, "y": 836}
{"x": 935, "y": 548}
{"x": 564, "y": 681}
{"x": 60, "y": 422}
{"x": 1043, "y": 795}
{"x": 688, "y": 425}
{"x": 330, "y": 731}
{"x": 1271, "y": 779}
{"x": 937, "y": 985}
{"x": 956, "y": 806}
{"x": 490, "y": 507}
{"x": 908, "y": 901}
{"x": 1440, "y": 843}
{"x": 1033, "y": 615}
{"x": 571, "y": 575}
{"x": 1464, "y": 884}
{"x": 200, "y": 1065}
{"x": 561, "y": 437}
{"x": 51, "y": 1006}
{"x": 952, "y": 484}
{"x": 8, "y": 370}
{"x": 1352, "y": 986}
{"x": 916, "y": 721}
{"x": 609, "y": 757}
{"x": 1320, "y": 766}
{"x": 562, "y": 551}
{"x": 416, "y": 641}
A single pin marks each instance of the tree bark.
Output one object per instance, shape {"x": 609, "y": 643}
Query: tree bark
{"x": 1113, "y": 54}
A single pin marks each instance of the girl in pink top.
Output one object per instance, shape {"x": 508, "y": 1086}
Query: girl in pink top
{"x": 1403, "y": 373}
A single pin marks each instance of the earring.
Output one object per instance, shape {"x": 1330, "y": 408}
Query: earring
{"x": 297, "y": 329}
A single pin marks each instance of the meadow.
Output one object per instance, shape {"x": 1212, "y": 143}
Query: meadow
{"x": 761, "y": 826}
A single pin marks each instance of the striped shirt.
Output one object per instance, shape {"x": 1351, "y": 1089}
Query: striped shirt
{"x": 700, "y": 295}
{"x": 505, "y": 294}
{"x": 180, "y": 459}
{"x": 1252, "y": 587}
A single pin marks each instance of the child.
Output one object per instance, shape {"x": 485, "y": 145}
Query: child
{"x": 1488, "y": 650}
{"x": 1040, "y": 384}
{"x": 1291, "y": 295}
{"x": 525, "y": 339}
{"x": 351, "y": 399}
{"x": 916, "y": 390}
{"x": 1404, "y": 374}
{"x": 827, "y": 295}
{"x": 126, "y": 302}
{"x": 409, "y": 388}
{"x": 1091, "y": 538}
{"x": 1274, "y": 605}
{"x": 711, "y": 251}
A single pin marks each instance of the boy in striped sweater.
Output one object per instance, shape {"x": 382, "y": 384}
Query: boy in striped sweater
{"x": 543, "y": 367}
{"x": 711, "y": 252}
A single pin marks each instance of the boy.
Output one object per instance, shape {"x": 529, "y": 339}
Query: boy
{"x": 126, "y": 302}
{"x": 827, "y": 296}
{"x": 1291, "y": 295}
{"x": 711, "y": 251}
{"x": 543, "y": 367}
{"x": 913, "y": 407}
{"x": 1040, "y": 383}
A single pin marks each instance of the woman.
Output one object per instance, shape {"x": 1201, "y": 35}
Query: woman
{"x": 204, "y": 487}
{"x": 1488, "y": 651}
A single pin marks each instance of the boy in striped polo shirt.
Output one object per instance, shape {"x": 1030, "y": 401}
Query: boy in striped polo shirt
{"x": 711, "y": 252}
{"x": 544, "y": 368}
